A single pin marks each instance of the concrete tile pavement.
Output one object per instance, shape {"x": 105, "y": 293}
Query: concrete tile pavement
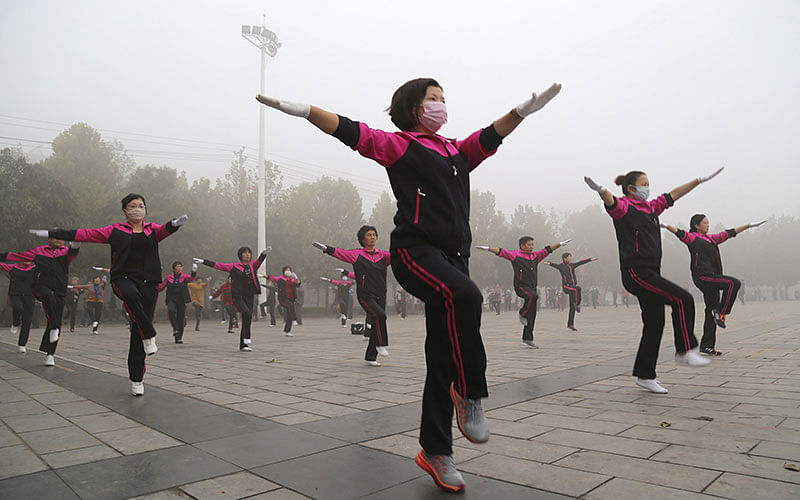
{"x": 566, "y": 419}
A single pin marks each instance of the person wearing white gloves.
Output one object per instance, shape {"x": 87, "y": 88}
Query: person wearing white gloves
{"x": 430, "y": 247}
{"x": 244, "y": 287}
{"x": 706, "y": 266}
{"x": 135, "y": 274}
{"x": 50, "y": 276}
{"x": 177, "y": 297}
{"x": 286, "y": 285}
{"x": 636, "y": 223}
{"x": 525, "y": 263}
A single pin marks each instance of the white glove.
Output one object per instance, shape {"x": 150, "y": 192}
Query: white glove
{"x": 104, "y": 279}
{"x": 562, "y": 243}
{"x": 294, "y": 275}
{"x": 194, "y": 267}
{"x": 537, "y": 102}
{"x": 210, "y": 297}
{"x": 593, "y": 185}
{"x": 69, "y": 286}
{"x": 75, "y": 244}
{"x": 288, "y": 107}
{"x": 180, "y": 220}
{"x": 267, "y": 250}
{"x": 709, "y": 177}
{"x": 96, "y": 268}
{"x": 323, "y": 278}
{"x": 341, "y": 269}
{"x": 197, "y": 260}
{"x": 756, "y": 224}
{"x": 43, "y": 233}
{"x": 482, "y": 247}
{"x": 319, "y": 245}
{"x": 663, "y": 226}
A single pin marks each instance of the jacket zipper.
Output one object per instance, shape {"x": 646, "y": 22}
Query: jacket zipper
{"x": 416, "y": 213}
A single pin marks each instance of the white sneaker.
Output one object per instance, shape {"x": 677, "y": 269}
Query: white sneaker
{"x": 295, "y": 323}
{"x": 54, "y": 335}
{"x": 150, "y": 346}
{"x": 344, "y": 325}
{"x": 383, "y": 351}
{"x": 94, "y": 324}
{"x": 343, "y": 317}
{"x": 289, "y": 334}
{"x": 651, "y": 385}
{"x": 373, "y": 363}
{"x": 691, "y": 358}
{"x": 22, "y": 349}
{"x": 14, "y": 330}
{"x": 366, "y": 339}
{"x": 245, "y": 348}
{"x": 95, "y": 332}
{"x": 137, "y": 388}
{"x": 49, "y": 360}
{"x": 246, "y": 341}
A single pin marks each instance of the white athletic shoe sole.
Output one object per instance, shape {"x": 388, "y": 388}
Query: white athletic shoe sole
{"x": 22, "y": 349}
{"x": 373, "y": 363}
{"x": 651, "y": 385}
{"x": 383, "y": 351}
{"x": 49, "y": 360}
{"x": 245, "y": 348}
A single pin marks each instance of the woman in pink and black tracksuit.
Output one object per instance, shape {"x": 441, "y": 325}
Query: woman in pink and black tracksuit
{"x": 177, "y": 297}
{"x": 706, "y": 266}
{"x": 569, "y": 283}
{"x": 343, "y": 299}
{"x": 20, "y": 296}
{"x": 430, "y": 248}
{"x": 135, "y": 274}
{"x": 244, "y": 287}
{"x": 370, "y": 265}
{"x": 639, "y": 240}
{"x": 286, "y": 285}
{"x": 525, "y": 263}
{"x": 50, "y": 276}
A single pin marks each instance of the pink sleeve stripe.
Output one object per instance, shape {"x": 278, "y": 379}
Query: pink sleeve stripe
{"x": 348, "y": 256}
{"x": 99, "y": 235}
{"x": 223, "y": 266}
{"x": 383, "y": 147}
{"x": 508, "y": 255}
{"x": 472, "y": 150}
{"x": 688, "y": 237}
{"x": 659, "y": 204}
{"x": 620, "y": 208}
{"x": 540, "y": 255}
{"x": 273, "y": 279}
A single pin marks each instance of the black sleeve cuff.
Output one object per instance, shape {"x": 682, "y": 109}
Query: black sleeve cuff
{"x": 73, "y": 251}
{"x": 170, "y": 228}
{"x": 209, "y": 263}
{"x": 490, "y": 139}
{"x": 348, "y": 131}
{"x": 3, "y": 256}
{"x": 669, "y": 199}
{"x": 549, "y": 250}
{"x": 681, "y": 233}
{"x": 62, "y": 234}
{"x": 731, "y": 232}
{"x": 612, "y": 206}
{"x": 329, "y": 250}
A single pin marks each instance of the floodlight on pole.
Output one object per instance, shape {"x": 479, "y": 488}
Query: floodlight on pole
{"x": 267, "y": 42}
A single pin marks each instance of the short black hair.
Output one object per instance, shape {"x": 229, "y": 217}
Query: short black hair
{"x": 628, "y": 179}
{"x": 565, "y": 255}
{"x": 176, "y": 263}
{"x": 695, "y": 220}
{"x": 130, "y": 197}
{"x": 363, "y": 232}
{"x": 405, "y": 101}
{"x": 285, "y": 268}
{"x": 525, "y": 239}
{"x": 243, "y": 250}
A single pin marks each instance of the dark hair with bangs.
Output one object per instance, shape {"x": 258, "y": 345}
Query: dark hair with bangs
{"x": 405, "y": 101}
{"x": 130, "y": 198}
{"x": 694, "y": 221}
{"x": 362, "y": 232}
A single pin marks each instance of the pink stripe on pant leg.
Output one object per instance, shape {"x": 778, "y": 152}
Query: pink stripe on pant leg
{"x": 669, "y": 297}
{"x": 448, "y": 296}
{"x": 728, "y": 294}
{"x": 377, "y": 321}
{"x": 130, "y": 313}
{"x": 530, "y": 302}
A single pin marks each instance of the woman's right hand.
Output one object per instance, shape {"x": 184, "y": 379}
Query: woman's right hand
{"x": 288, "y": 107}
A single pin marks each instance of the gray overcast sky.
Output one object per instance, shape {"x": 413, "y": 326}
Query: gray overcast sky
{"x": 675, "y": 88}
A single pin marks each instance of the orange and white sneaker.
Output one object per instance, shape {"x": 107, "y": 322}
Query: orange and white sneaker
{"x": 470, "y": 417}
{"x": 442, "y": 469}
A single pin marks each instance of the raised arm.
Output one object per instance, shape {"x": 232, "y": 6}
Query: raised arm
{"x": 683, "y": 189}
{"x": 605, "y": 194}
{"x": 509, "y": 121}
{"x": 348, "y": 256}
{"x": 216, "y": 265}
{"x": 584, "y": 261}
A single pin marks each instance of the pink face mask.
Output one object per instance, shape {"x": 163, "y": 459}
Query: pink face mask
{"x": 434, "y": 115}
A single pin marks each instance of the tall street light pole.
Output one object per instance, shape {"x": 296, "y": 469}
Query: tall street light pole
{"x": 267, "y": 42}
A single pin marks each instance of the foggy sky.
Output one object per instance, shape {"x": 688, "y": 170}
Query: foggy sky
{"x": 674, "y": 88}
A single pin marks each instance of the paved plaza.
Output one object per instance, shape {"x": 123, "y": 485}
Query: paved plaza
{"x": 304, "y": 417}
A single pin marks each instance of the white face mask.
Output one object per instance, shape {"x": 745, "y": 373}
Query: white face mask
{"x": 434, "y": 115}
{"x": 641, "y": 193}
{"x": 136, "y": 214}
{"x": 287, "y": 273}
